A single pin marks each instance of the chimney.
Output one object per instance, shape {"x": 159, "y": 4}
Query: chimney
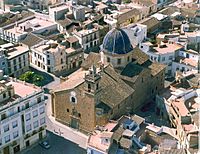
{"x": 63, "y": 79}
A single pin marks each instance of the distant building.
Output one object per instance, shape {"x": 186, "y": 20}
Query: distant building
{"x": 164, "y": 53}
{"x": 2, "y": 5}
{"x": 58, "y": 11}
{"x": 123, "y": 17}
{"x": 82, "y": 2}
{"x": 40, "y": 4}
{"x": 185, "y": 61}
{"x": 89, "y": 38}
{"x": 131, "y": 135}
{"x": 14, "y": 59}
{"x": 56, "y": 57}
{"x": 137, "y": 33}
{"x": 180, "y": 102}
{"x": 117, "y": 81}
{"x": 78, "y": 12}
{"x": 19, "y": 26}
{"x": 22, "y": 115}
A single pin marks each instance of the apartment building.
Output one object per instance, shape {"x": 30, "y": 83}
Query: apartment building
{"x": 180, "y": 102}
{"x": 88, "y": 38}
{"x": 54, "y": 57}
{"x": 164, "y": 53}
{"x": 14, "y": 59}
{"x": 22, "y": 115}
{"x": 17, "y": 27}
{"x": 185, "y": 61}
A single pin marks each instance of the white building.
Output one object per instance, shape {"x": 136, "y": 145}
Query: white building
{"x": 56, "y": 57}
{"x": 14, "y": 60}
{"x": 88, "y": 38}
{"x": 185, "y": 61}
{"x": 15, "y": 32}
{"x": 22, "y": 115}
{"x": 164, "y": 53}
{"x": 137, "y": 33}
{"x": 58, "y": 11}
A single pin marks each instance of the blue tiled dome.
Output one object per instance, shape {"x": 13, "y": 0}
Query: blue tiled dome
{"x": 117, "y": 41}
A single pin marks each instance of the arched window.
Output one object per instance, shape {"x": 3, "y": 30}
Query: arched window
{"x": 73, "y": 99}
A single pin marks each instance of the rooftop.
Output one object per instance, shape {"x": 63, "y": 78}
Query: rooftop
{"x": 50, "y": 46}
{"x": 58, "y": 7}
{"x": 22, "y": 90}
{"x": 165, "y": 48}
{"x": 95, "y": 140}
{"x": 34, "y": 24}
{"x": 84, "y": 32}
{"x": 14, "y": 51}
{"x": 72, "y": 81}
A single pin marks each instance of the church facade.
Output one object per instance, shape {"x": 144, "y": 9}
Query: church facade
{"x": 117, "y": 81}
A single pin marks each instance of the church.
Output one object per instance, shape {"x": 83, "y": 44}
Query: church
{"x": 117, "y": 81}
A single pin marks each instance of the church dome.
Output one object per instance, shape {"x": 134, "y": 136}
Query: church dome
{"x": 117, "y": 41}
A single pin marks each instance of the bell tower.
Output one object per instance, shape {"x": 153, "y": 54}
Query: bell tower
{"x": 92, "y": 79}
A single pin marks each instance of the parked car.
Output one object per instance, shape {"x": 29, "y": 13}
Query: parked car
{"x": 44, "y": 144}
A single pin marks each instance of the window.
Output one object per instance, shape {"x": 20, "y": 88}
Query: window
{"x": 14, "y": 124}
{"x": 3, "y": 116}
{"x": 118, "y": 61}
{"x": 108, "y": 59}
{"x": 118, "y": 106}
{"x": 97, "y": 86}
{"x": 15, "y": 134}
{"x": 35, "y": 124}
{"x": 14, "y": 61}
{"x": 39, "y": 99}
{"x": 11, "y": 111}
{"x": 4, "y": 95}
{"x": 170, "y": 57}
{"x": 73, "y": 99}
{"x": 48, "y": 62}
{"x": 35, "y": 113}
{"x": 6, "y": 128}
{"x": 89, "y": 87}
{"x": 163, "y": 58}
{"x": 27, "y": 105}
{"x": 42, "y": 121}
{"x": 28, "y": 117}
{"x": 128, "y": 58}
{"x": 41, "y": 110}
{"x": 79, "y": 115}
{"x": 67, "y": 110}
{"x": 28, "y": 127}
{"x": 7, "y": 138}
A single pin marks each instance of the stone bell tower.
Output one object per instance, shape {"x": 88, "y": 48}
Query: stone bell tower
{"x": 92, "y": 79}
